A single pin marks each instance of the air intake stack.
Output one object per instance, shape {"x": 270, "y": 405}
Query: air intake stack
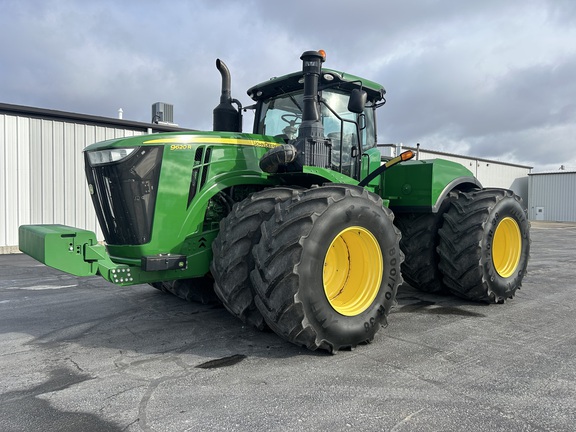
{"x": 311, "y": 126}
{"x": 312, "y": 147}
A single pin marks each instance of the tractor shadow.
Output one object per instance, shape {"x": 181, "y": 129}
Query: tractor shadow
{"x": 143, "y": 321}
{"x": 410, "y": 300}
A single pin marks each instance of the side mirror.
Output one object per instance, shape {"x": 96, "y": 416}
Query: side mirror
{"x": 357, "y": 101}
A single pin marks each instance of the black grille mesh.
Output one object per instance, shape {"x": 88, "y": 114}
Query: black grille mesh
{"x": 124, "y": 195}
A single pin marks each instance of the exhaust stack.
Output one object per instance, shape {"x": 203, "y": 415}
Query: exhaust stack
{"x": 226, "y": 117}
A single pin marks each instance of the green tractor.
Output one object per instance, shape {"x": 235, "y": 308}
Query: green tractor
{"x": 301, "y": 226}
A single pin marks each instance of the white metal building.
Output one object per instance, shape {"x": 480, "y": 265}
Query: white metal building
{"x": 552, "y": 196}
{"x": 42, "y": 177}
{"x": 490, "y": 173}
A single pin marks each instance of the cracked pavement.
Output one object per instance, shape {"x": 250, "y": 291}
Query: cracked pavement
{"x": 83, "y": 354}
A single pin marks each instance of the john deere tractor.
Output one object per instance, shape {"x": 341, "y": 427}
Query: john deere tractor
{"x": 300, "y": 226}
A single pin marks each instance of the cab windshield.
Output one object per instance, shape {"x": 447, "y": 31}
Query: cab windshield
{"x": 282, "y": 115}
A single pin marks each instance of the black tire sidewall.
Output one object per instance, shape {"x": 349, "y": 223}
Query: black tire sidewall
{"x": 237, "y": 294}
{"x": 507, "y": 207}
{"x": 418, "y": 246}
{"x": 327, "y": 322}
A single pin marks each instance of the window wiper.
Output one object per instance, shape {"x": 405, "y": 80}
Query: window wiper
{"x": 295, "y": 102}
{"x": 293, "y": 99}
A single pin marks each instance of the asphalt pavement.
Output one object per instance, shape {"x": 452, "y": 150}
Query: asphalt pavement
{"x": 80, "y": 354}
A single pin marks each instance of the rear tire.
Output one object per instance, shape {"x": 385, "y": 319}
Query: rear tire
{"x": 327, "y": 267}
{"x": 418, "y": 243}
{"x": 197, "y": 290}
{"x": 232, "y": 261}
{"x": 484, "y": 245}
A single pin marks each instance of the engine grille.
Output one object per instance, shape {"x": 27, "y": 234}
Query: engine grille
{"x": 124, "y": 195}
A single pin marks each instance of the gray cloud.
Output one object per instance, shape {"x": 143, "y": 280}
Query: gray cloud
{"x": 491, "y": 78}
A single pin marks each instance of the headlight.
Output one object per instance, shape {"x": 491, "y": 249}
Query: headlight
{"x": 100, "y": 157}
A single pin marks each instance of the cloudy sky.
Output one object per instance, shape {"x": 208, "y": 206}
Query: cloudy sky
{"x": 491, "y": 78}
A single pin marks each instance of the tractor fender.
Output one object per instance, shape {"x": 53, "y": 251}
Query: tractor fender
{"x": 463, "y": 184}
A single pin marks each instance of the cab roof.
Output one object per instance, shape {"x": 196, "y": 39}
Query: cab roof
{"x": 329, "y": 79}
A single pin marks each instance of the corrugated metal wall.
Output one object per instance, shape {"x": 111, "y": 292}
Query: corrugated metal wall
{"x": 553, "y": 196}
{"x": 42, "y": 177}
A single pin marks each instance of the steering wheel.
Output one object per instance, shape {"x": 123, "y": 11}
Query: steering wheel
{"x": 290, "y": 131}
{"x": 292, "y": 119}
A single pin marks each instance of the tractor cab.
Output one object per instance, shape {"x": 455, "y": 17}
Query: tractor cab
{"x": 346, "y": 107}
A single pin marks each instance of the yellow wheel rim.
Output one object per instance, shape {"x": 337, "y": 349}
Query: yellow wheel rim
{"x": 353, "y": 269}
{"x": 506, "y": 247}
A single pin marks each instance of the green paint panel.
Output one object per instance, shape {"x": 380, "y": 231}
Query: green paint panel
{"x": 328, "y": 176}
{"x": 421, "y": 183}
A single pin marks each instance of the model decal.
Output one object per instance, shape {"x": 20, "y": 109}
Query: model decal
{"x": 180, "y": 142}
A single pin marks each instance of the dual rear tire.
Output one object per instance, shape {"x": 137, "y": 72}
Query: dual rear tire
{"x": 476, "y": 247}
{"x": 484, "y": 245}
{"x": 419, "y": 243}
